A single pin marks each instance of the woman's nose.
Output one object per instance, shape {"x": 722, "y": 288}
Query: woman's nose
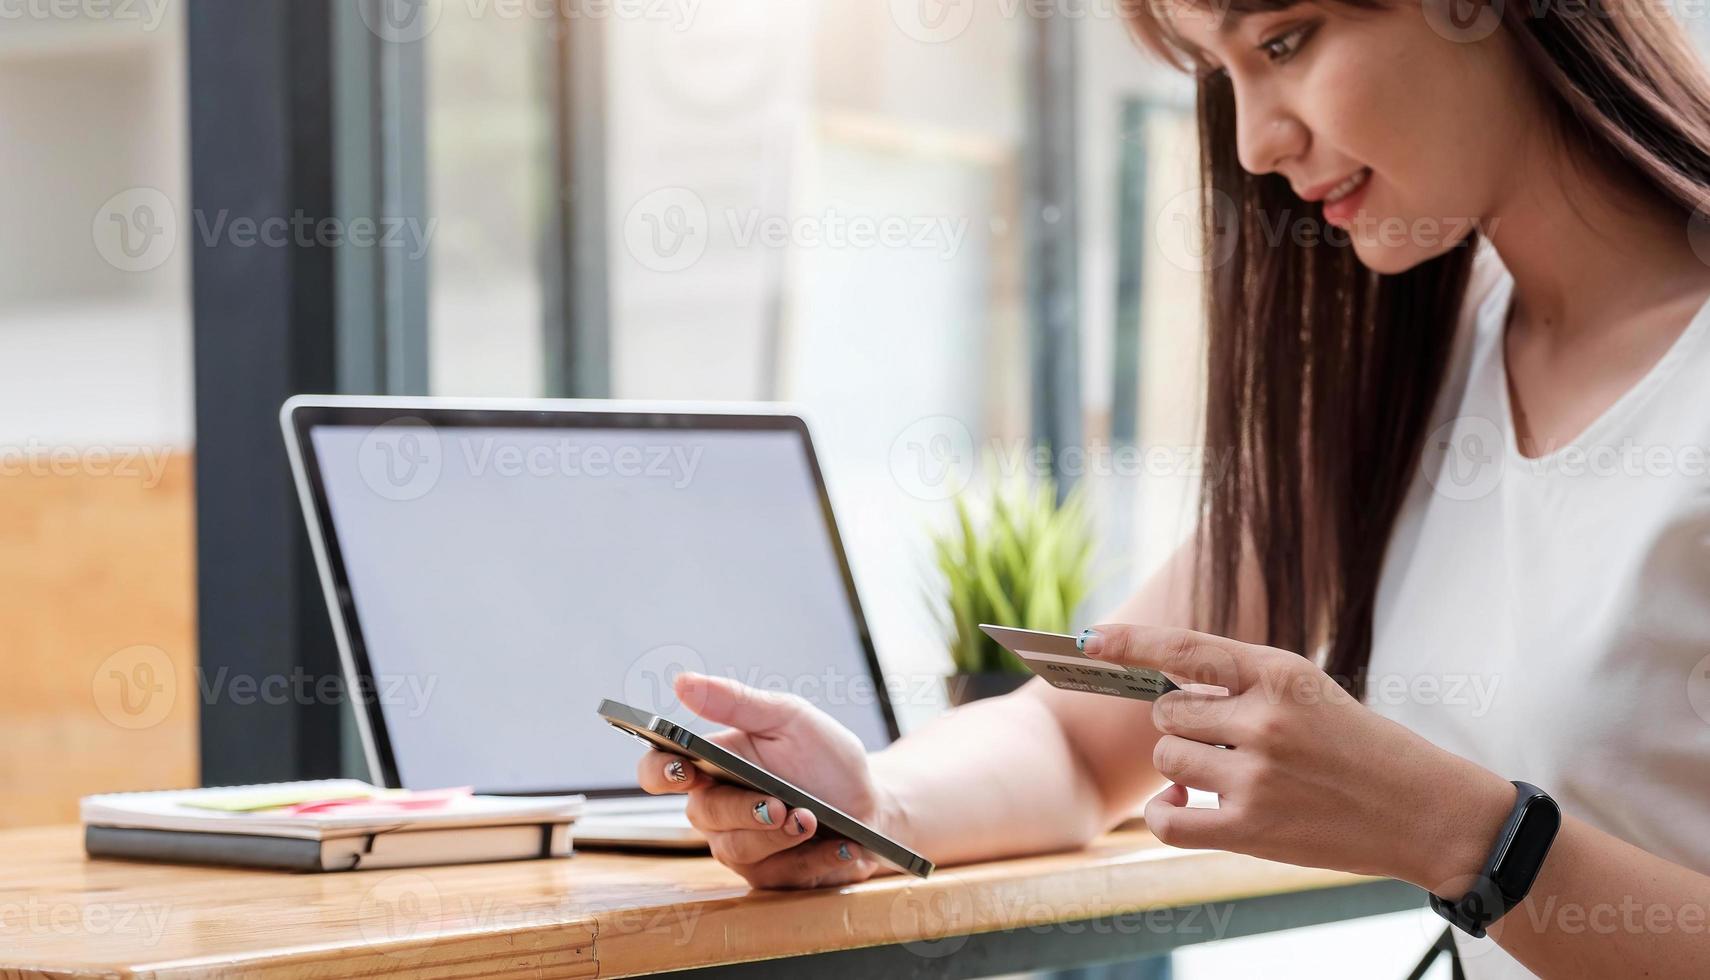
{"x": 1266, "y": 136}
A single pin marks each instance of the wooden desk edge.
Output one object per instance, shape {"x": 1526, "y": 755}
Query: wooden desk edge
{"x": 1121, "y": 874}
{"x": 968, "y": 900}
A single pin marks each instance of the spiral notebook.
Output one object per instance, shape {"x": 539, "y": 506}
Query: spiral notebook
{"x": 256, "y": 827}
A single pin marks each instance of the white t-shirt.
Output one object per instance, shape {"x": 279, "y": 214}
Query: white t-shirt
{"x": 1549, "y": 618}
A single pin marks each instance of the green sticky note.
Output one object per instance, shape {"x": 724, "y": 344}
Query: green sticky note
{"x": 268, "y": 799}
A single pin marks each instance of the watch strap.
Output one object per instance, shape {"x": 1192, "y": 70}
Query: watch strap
{"x": 1487, "y": 901}
{"x": 1474, "y": 911}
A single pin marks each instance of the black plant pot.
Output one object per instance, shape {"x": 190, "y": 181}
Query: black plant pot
{"x": 967, "y": 688}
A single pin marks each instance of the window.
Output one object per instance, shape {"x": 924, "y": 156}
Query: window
{"x": 822, "y": 202}
{"x": 488, "y": 113}
{"x": 95, "y": 404}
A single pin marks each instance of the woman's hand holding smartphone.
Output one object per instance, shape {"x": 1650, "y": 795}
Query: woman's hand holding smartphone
{"x": 752, "y": 833}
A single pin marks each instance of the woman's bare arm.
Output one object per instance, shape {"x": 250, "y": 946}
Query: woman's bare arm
{"x": 1040, "y": 769}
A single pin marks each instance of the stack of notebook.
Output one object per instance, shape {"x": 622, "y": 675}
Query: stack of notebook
{"x": 326, "y": 825}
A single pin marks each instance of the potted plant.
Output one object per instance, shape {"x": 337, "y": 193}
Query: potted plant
{"x": 1025, "y": 561}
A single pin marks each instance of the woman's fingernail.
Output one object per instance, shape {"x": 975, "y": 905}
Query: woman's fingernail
{"x": 676, "y": 772}
{"x": 763, "y": 813}
{"x": 843, "y": 853}
{"x": 796, "y": 828}
{"x": 1089, "y": 642}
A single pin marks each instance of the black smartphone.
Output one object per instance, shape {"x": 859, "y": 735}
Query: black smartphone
{"x": 726, "y": 766}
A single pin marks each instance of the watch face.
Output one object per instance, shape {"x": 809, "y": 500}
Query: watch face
{"x": 1518, "y": 865}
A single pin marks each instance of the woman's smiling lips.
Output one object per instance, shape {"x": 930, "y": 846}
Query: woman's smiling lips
{"x": 1342, "y": 196}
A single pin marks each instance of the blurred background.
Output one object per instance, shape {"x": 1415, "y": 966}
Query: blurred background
{"x": 950, "y": 229}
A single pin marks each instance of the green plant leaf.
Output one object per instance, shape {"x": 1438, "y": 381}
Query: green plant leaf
{"x": 1027, "y": 563}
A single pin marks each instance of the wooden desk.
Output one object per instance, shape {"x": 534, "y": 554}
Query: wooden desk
{"x": 601, "y": 914}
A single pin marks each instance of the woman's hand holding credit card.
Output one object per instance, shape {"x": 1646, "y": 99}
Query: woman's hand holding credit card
{"x": 1058, "y": 658}
{"x": 1062, "y": 660}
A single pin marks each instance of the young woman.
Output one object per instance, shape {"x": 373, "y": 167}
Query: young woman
{"x": 1459, "y": 346}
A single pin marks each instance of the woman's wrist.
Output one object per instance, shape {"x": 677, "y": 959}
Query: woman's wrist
{"x": 891, "y": 816}
{"x": 1447, "y": 837}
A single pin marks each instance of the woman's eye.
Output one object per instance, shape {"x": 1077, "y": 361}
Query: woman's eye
{"x": 1285, "y": 45}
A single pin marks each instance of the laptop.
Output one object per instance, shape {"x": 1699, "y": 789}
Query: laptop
{"x": 494, "y": 568}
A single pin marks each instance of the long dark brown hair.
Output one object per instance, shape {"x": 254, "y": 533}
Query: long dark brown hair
{"x": 1323, "y": 374}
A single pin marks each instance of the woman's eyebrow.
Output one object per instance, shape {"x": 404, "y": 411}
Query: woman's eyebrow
{"x": 1228, "y": 21}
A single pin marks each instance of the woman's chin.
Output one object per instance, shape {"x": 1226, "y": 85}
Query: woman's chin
{"x": 1387, "y": 259}
{"x": 1383, "y": 250}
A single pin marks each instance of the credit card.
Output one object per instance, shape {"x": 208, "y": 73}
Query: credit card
{"x": 1054, "y": 657}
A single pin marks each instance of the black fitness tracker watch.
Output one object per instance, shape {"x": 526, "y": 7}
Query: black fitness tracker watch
{"x": 1512, "y": 867}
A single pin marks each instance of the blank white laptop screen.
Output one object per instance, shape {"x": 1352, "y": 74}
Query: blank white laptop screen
{"x": 507, "y": 579}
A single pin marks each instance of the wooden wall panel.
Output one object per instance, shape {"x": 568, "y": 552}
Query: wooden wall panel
{"x": 97, "y": 630}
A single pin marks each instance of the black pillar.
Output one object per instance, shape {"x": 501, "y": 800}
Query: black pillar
{"x": 261, "y": 148}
